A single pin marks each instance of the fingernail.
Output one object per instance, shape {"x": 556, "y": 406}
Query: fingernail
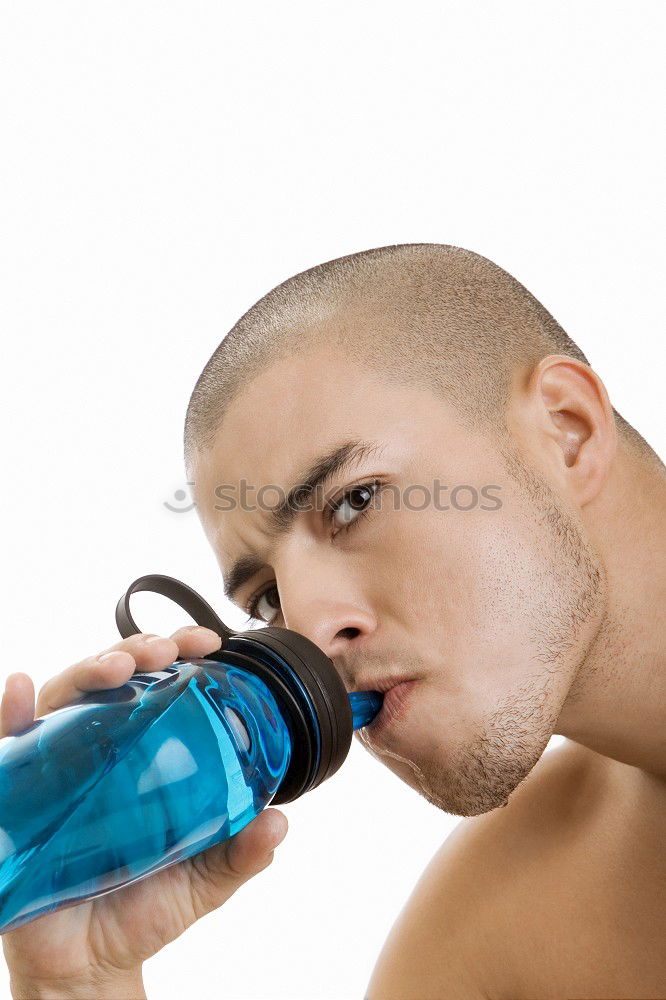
{"x": 281, "y": 836}
{"x": 207, "y": 633}
{"x": 109, "y": 656}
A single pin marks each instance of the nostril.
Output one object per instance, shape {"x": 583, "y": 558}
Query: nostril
{"x": 348, "y": 633}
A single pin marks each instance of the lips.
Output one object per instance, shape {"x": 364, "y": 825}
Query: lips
{"x": 381, "y": 684}
{"x": 394, "y": 707}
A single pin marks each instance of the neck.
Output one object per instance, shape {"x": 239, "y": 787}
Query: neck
{"x": 617, "y": 703}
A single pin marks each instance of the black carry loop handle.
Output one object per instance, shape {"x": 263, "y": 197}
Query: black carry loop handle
{"x": 308, "y": 685}
{"x": 183, "y": 595}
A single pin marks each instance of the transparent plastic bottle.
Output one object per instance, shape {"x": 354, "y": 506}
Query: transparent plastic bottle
{"x": 130, "y": 780}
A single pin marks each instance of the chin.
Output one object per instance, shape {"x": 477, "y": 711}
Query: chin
{"x": 481, "y": 775}
{"x": 474, "y": 776}
{"x": 471, "y": 766}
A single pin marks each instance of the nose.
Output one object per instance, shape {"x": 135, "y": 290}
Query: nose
{"x": 332, "y": 625}
{"x": 331, "y": 613}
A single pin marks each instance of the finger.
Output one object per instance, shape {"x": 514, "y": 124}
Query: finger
{"x": 111, "y": 668}
{"x": 115, "y": 665}
{"x": 152, "y": 652}
{"x": 252, "y": 846}
{"x": 17, "y": 707}
{"x": 95, "y": 673}
{"x": 195, "y": 640}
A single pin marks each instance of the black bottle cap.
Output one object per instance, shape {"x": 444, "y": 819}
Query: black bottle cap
{"x": 311, "y": 686}
{"x": 329, "y": 699}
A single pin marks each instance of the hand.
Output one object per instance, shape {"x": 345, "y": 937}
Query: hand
{"x": 99, "y": 939}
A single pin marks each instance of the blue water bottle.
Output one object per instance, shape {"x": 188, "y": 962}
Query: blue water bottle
{"x": 128, "y": 781}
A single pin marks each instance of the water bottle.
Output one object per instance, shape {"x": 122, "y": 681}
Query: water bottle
{"x": 125, "y": 782}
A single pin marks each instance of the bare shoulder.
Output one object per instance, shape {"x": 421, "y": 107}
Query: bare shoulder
{"x": 483, "y": 906}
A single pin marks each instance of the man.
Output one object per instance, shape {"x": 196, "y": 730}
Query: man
{"x": 523, "y": 598}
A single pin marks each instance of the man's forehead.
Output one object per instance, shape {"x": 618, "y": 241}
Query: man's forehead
{"x": 294, "y": 411}
{"x": 265, "y": 447}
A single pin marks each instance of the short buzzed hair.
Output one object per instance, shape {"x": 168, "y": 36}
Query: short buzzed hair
{"x": 426, "y": 314}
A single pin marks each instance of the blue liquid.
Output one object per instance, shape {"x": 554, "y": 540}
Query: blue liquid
{"x": 128, "y": 781}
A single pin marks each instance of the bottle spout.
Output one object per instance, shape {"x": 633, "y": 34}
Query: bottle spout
{"x": 365, "y": 705}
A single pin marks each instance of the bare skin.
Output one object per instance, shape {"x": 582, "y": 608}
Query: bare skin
{"x": 561, "y": 894}
{"x": 538, "y": 617}
{"x": 541, "y": 618}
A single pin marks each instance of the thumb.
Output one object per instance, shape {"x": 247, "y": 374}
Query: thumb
{"x": 251, "y": 849}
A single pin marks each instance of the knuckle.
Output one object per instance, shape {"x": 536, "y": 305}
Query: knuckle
{"x": 59, "y": 690}
{"x": 132, "y": 644}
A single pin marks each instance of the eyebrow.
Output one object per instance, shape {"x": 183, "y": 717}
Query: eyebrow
{"x": 282, "y": 517}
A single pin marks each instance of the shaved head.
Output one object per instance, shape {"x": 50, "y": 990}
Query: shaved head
{"x": 500, "y": 617}
{"x": 424, "y": 314}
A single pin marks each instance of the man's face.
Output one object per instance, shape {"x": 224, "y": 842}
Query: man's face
{"x": 490, "y": 610}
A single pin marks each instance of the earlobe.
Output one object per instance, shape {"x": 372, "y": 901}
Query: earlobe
{"x": 577, "y": 416}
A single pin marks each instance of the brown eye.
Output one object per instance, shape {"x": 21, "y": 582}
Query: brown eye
{"x": 271, "y": 598}
{"x": 353, "y": 503}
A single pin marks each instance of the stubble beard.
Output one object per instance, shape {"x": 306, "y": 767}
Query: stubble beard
{"x": 511, "y": 741}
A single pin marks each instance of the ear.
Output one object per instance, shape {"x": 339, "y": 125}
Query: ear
{"x": 572, "y": 415}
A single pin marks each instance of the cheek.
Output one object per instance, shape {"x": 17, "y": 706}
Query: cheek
{"x": 412, "y": 567}
{"x": 483, "y": 593}
{"x": 457, "y": 572}
{"x": 519, "y": 594}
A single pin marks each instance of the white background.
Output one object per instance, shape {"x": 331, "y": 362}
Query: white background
{"x": 163, "y": 166}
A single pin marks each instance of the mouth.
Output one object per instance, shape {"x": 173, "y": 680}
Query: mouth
{"x": 394, "y": 707}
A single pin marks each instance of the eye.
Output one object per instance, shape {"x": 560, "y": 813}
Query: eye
{"x": 353, "y": 504}
{"x": 271, "y": 598}
{"x": 345, "y": 513}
